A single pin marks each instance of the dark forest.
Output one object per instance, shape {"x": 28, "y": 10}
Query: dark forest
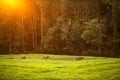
{"x": 70, "y": 27}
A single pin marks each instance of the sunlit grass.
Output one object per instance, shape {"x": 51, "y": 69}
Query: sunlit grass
{"x": 58, "y": 67}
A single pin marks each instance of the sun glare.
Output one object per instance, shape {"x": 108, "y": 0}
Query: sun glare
{"x": 14, "y": 4}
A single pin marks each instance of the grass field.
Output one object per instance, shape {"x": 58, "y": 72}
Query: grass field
{"x": 58, "y": 67}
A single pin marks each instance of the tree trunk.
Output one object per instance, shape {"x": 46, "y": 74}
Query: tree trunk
{"x": 10, "y": 42}
{"x": 23, "y": 33}
{"x": 42, "y": 25}
{"x": 99, "y": 49}
{"x": 114, "y": 17}
{"x": 114, "y": 21}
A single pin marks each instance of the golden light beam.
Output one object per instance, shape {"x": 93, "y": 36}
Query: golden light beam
{"x": 14, "y": 5}
{"x": 16, "y": 8}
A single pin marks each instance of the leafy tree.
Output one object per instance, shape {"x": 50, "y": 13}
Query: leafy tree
{"x": 94, "y": 33}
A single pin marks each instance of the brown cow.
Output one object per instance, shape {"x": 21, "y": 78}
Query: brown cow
{"x": 78, "y": 58}
{"x": 23, "y": 57}
{"x": 45, "y": 57}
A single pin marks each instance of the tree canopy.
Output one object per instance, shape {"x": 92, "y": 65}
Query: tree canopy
{"x": 74, "y": 27}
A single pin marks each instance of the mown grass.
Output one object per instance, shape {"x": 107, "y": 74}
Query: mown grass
{"x": 58, "y": 67}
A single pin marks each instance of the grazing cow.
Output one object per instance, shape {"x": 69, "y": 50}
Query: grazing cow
{"x": 78, "y": 58}
{"x": 23, "y": 57}
{"x": 45, "y": 57}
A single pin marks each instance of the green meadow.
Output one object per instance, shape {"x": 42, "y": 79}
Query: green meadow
{"x": 58, "y": 67}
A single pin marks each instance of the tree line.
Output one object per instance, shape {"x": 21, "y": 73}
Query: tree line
{"x": 72, "y": 27}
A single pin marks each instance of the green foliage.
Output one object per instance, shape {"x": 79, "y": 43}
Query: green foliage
{"x": 64, "y": 26}
{"x": 52, "y": 40}
{"x": 64, "y": 37}
{"x": 93, "y": 32}
{"x": 107, "y": 1}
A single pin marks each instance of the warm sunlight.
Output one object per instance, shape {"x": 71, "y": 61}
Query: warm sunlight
{"x": 14, "y": 5}
{"x": 59, "y": 39}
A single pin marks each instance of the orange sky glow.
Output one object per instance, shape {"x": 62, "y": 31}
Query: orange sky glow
{"x": 16, "y": 6}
